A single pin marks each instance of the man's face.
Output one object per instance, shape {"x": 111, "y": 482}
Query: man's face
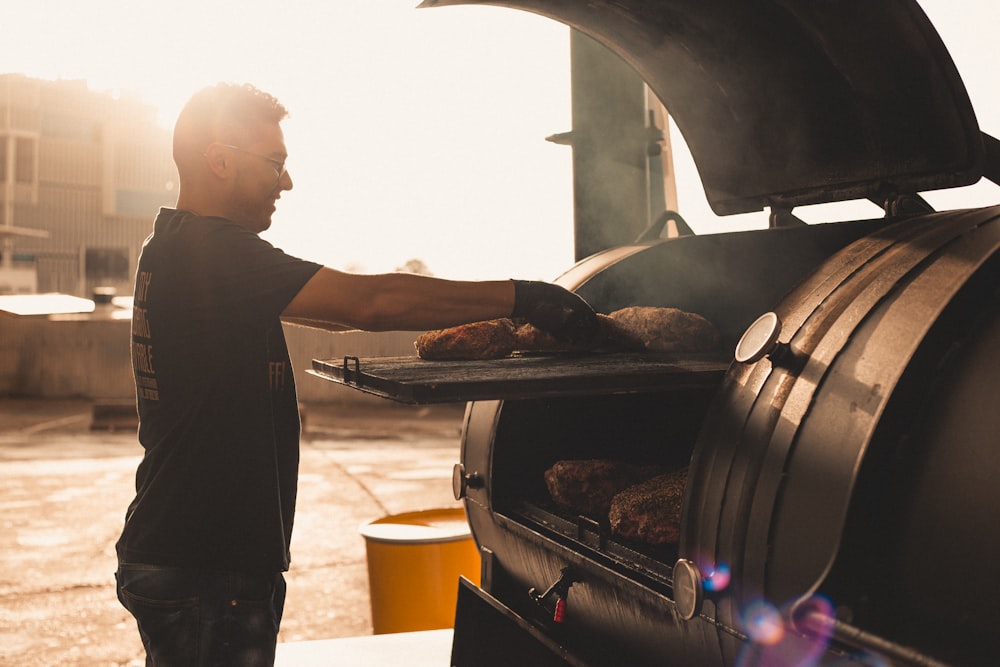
{"x": 260, "y": 177}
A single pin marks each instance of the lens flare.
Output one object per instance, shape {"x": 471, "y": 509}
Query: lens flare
{"x": 794, "y": 636}
{"x": 763, "y": 624}
{"x": 716, "y": 577}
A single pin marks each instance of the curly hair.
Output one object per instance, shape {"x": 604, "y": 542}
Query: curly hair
{"x": 225, "y": 112}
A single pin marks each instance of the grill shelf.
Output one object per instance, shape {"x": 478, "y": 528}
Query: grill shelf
{"x": 523, "y": 376}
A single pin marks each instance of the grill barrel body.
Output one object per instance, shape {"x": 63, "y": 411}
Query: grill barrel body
{"x": 855, "y": 467}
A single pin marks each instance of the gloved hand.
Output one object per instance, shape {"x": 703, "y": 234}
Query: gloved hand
{"x": 555, "y": 310}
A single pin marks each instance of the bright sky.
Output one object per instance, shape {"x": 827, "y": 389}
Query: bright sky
{"x": 413, "y": 134}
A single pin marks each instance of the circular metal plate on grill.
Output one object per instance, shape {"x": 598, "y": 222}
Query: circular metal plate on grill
{"x": 760, "y": 338}
{"x": 688, "y": 591}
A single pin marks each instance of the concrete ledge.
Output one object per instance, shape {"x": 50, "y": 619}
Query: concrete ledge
{"x": 88, "y": 357}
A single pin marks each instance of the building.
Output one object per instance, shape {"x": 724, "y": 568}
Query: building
{"x": 82, "y": 174}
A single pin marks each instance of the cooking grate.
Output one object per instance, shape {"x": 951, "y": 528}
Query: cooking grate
{"x": 593, "y": 538}
{"x": 523, "y": 376}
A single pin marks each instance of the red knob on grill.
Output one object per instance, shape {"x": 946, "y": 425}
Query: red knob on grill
{"x": 560, "y": 612}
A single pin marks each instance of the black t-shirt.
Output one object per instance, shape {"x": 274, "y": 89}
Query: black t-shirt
{"x": 218, "y": 416}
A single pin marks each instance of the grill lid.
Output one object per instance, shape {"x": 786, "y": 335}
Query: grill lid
{"x": 791, "y": 102}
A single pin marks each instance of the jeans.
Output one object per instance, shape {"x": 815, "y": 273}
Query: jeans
{"x": 189, "y": 618}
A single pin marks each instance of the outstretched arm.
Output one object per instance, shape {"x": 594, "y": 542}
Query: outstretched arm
{"x": 396, "y": 301}
{"x": 338, "y": 301}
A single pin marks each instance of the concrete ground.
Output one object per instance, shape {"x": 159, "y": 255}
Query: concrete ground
{"x": 65, "y": 488}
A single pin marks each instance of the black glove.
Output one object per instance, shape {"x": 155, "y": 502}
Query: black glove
{"x": 555, "y": 310}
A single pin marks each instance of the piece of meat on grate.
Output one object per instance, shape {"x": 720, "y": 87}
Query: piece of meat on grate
{"x": 635, "y": 328}
{"x": 490, "y": 339}
{"x": 612, "y": 337}
{"x": 650, "y": 512}
{"x": 667, "y": 329}
{"x": 586, "y": 486}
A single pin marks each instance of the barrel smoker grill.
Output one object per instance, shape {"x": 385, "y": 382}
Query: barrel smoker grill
{"x": 847, "y": 478}
{"x": 841, "y": 505}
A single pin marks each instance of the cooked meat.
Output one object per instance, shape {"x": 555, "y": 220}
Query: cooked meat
{"x": 633, "y": 328}
{"x": 490, "y": 339}
{"x": 612, "y": 336}
{"x": 616, "y": 335}
{"x": 667, "y": 329}
{"x": 529, "y": 337}
{"x": 587, "y": 486}
{"x": 650, "y": 512}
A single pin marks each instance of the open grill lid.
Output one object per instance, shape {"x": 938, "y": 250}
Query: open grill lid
{"x": 791, "y": 102}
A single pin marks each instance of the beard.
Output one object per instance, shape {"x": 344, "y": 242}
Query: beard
{"x": 251, "y": 210}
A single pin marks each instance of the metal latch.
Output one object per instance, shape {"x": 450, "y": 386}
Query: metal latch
{"x": 557, "y": 592}
{"x": 462, "y": 481}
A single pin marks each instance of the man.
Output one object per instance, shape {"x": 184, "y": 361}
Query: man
{"x": 206, "y": 538}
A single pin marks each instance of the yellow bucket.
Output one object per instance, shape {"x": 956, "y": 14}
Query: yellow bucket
{"x": 414, "y": 561}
